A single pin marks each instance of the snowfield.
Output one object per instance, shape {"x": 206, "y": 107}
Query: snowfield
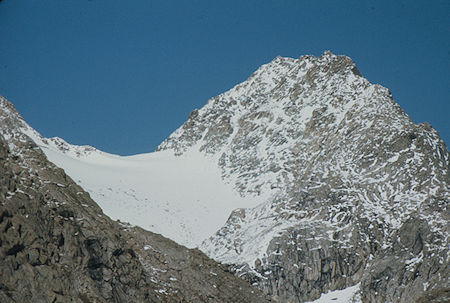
{"x": 347, "y": 295}
{"x": 181, "y": 197}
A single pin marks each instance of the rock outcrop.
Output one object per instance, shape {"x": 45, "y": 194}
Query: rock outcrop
{"x": 56, "y": 245}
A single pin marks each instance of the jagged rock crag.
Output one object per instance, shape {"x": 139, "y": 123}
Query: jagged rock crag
{"x": 354, "y": 191}
{"x": 56, "y": 245}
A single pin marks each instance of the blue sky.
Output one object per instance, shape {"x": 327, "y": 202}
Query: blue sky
{"x": 122, "y": 75}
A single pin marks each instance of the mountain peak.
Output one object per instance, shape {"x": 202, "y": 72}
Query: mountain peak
{"x": 287, "y": 91}
{"x": 327, "y": 152}
{"x": 336, "y": 63}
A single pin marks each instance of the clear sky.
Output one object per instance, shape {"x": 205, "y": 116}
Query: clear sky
{"x": 122, "y": 75}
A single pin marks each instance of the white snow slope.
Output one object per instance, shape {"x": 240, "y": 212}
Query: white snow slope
{"x": 347, "y": 295}
{"x": 180, "y": 197}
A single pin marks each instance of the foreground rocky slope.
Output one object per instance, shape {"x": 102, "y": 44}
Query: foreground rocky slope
{"x": 354, "y": 191}
{"x": 56, "y": 245}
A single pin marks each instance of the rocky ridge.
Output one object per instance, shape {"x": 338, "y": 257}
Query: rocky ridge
{"x": 355, "y": 192}
{"x": 56, "y": 245}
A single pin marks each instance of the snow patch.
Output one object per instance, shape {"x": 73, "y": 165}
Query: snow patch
{"x": 347, "y": 295}
{"x": 181, "y": 197}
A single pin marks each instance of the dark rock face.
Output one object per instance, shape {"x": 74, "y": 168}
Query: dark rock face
{"x": 56, "y": 245}
{"x": 410, "y": 266}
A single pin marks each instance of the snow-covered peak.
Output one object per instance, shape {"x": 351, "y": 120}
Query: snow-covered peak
{"x": 285, "y": 90}
{"x": 19, "y": 126}
{"x": 258, "y": 124}
{"x": 337, "y": 162}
